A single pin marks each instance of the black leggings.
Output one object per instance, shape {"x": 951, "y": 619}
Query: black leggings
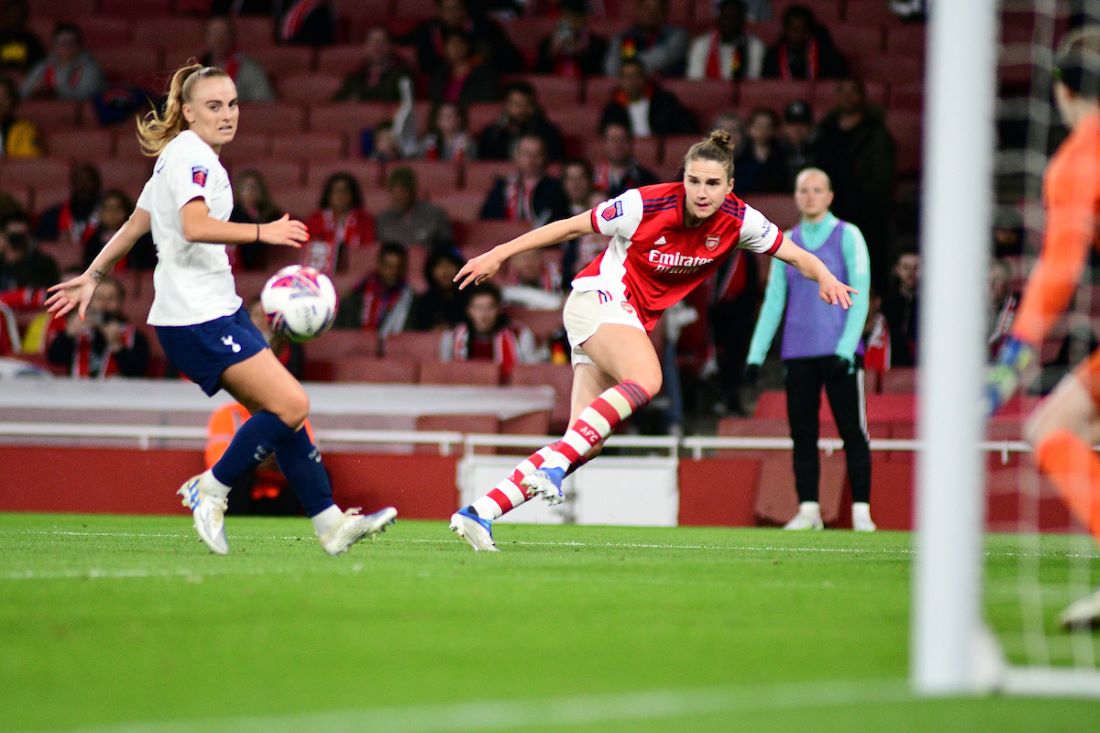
{"x": 804, "y": 380}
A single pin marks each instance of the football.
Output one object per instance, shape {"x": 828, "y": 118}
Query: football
{"x": 300, "y": 302}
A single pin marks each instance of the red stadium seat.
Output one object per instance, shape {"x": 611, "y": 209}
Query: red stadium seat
{"x": 480, "y": 236}
{"x": 47, "y": 196}
{"x": 558, "y": 376}
{"x": 246, "y": 147}
{"x": 309, "y": 146}
{"x": 254, "y": 32}
{"x": 779, "y": 208}
{"x": 63, "y": 9}
{"x": 35, "y": 172}
{"x": 129, "y": 63}
{"x": 340, "y": 60}
{"x": 299, "y": 201}
{"x": 597, "y": 90}
{"x": 343, "y": 343}
{"x": 50, "y": 114}
{"x": 461, "y": 206}
{"x": 772, "y": 93}
{"x": 278, "y": 174}
{"x": 101, "y": 31}
{"x": 907, "y": 97}
{"x": 907, "y": 130}
{"x": 583, "y": 120}
{"x": 907, "y": 40}
{"x": 480, "y": 175}
{"x": 136, "y": 7}
{"x": 374, "y": 370}
{"x": 705, "y": 99}
{"x": 367, "y": 172}
{"x": 128, "y": 173}
{"x": 151, "y": 32}
{"x": 555, "y": 92}
{"x": 416, "y": 345}
{"x": 349, "y": 117}
{"x": 899, "y": 379}
{"x": 481, "y": 115}
{"x": 858, "y": 40}
{"x": 543, "y": 323}
{"x": 89, "y": 145}
{"x": 459, "y": 372}
{"x": 23, "y": 195}
{"x": 433, "y": 176}
{"x": 900, "y": 70}
{"x": 316, "y": 88}
{"x": 867, "y": 12}
{"x": 283, "y": 60}
{"x": 276, "y": 118}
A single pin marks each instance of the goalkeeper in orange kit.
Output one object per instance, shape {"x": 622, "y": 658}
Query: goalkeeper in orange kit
{"x": 1067, "y": 423}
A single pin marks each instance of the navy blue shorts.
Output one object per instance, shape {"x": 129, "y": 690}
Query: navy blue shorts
{"x": 205, "y": 350}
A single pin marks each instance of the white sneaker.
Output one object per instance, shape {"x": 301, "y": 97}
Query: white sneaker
{"x": 861, "y": 517}
{"x": 1082, "y": 614}
{"x": 474, "y": 529}
{"x": 209, "y": 514}
{"x": 808, "y": 517}
{"x": 355, "y": 527}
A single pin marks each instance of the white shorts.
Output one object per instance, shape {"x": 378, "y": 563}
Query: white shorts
{"x": 587, "y": 310}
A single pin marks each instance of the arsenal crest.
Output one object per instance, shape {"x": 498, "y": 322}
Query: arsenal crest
{"x": 712, "y": 242}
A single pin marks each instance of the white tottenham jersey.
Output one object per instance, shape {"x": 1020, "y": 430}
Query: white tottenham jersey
{"x": 193, "y": 281}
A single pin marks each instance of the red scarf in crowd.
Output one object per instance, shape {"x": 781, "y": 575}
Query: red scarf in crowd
{"x": 79, "y": 230}
{"x": 328, "y": 235}
{"x": 876, "y": 351}
{"x": 500, "y": 348}
{"x": 811, "y": 61}
{"x": 88, "y": 363}
{"x": 378, "y": 301}
{"x": 714, "y": 59}
{"x": 52, "y": 82}
{"x": 296, "y": 18}
{"x": 519, "y": 199}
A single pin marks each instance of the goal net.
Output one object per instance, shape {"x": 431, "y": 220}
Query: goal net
{"x": 987, "y": 603}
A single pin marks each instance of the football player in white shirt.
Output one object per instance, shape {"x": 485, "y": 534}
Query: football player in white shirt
{"x": 200, "y": 320}
{"x": 666, "y": 239}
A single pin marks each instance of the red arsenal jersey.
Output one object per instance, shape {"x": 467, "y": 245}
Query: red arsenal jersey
{"x": 654, "y": 260}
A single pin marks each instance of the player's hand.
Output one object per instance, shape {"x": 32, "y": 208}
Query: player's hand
{"x": 834, "y": 292}
{"x": 1004, "y": 377}
{"x": 285, "y": 232}
{"x": 73, "y": 293}
{"x": 479, "y": 268}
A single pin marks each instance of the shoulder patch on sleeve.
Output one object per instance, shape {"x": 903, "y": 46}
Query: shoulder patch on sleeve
{"x": 613, "y": 212}
{"x": 199, "y": 174}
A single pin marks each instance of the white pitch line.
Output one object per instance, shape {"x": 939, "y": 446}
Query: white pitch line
{"x": 559, "y": 713}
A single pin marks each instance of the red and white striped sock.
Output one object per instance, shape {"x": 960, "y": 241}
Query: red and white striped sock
{"x": 595, "y": 423}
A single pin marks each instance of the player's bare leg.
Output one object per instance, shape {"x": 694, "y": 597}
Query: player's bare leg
{"x": 1062, "y": 431}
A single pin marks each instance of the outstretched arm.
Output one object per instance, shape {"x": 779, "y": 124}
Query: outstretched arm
{"x": 199, "y": 226}
{"x": 831, "y": 290}
{"x": 77, "y": 292}
{"x": 486, "y": 265}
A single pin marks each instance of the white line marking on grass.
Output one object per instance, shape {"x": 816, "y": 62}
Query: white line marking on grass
{"x": 559, "y": 713}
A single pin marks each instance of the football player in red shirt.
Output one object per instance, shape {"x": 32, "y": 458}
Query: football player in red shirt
{"x": 665, "y": 240}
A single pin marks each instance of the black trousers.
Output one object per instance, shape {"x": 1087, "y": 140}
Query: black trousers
{"x": 804, "y": 380}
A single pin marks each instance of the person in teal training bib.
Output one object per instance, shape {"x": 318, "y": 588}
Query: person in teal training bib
{"x": 821, "y": 348}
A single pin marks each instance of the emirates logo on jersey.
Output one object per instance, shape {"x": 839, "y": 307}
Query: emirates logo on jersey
{"x": 674, "y": 263}
{"x": 712, "y": 242}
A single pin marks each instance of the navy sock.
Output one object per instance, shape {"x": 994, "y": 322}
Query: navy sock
{"x": 258, "y": 438}
{"x": 300, "y": 462}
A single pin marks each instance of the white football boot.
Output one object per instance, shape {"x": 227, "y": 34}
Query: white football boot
{"x": 1082, "y": 614}
{"x": 208, "y": 512}
{"x": 474, "y": 529}
{"x": 354, "y": 527}
{"x": 861, "y": 517}
{"x": 808, "y": 517}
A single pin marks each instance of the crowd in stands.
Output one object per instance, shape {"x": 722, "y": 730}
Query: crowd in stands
{"x": 410, "y": 136}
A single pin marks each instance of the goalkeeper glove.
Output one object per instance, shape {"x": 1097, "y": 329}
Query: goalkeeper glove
{"x": 1003, "y": 378}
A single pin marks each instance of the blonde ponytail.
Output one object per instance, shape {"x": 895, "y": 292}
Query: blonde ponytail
{"x": 716, "y": 146}
{"x": 155, "y": 130}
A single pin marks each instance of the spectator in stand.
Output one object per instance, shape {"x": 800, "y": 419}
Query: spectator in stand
{"x": 727, "y": 52}
{"x": 69, "y": 72}
{"x": 1001, "y": 306}
{"x": 252, "y": 204}
{"x": 245, "y": 71}
{"x": 20, "y": 49}
{"x": 73, "y": 221}
{"x": 520, "y": 115}
{"x": 490, "y": 42}
{"x": 796, "y": 138}
{"x": 533, "y": 280}
{"x": 442, "y": 305}
{"x": 760, "y": 165}
{"x": 1009, "y": 237}
{"x": 379, "y": 78}
{"x": 581, "y": 194}
{"x": 113, "y": 213}
{"x": 462, "y": 78}
{"x": 381, "y": 301}
{"x": 18, "y": 137}
{"x": 644, "y": 106}
{"x": 103, "y": 344}
{"x": 731, "y": 123}
{"x": 854, "y": 146}
{"x": 487, "y": 335}
{"x": 528, "y": 193}
{"x": 572, "y": 50}
{"x": 21, "y": 264}
{"x": 410, "y": 220}
{"x": 805, "y": 50}
{"x": 901, "y": 306}
{"x": 383, "y": 143}
{"x": 340, "y": 223}
{"x": 448, "y": 135}
{"x": 307, "y": 23}
{"x": 619, "y": 170}
{"x": 651, "y": 40}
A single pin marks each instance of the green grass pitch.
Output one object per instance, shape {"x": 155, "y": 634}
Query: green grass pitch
{"x": 112, "y": 623}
